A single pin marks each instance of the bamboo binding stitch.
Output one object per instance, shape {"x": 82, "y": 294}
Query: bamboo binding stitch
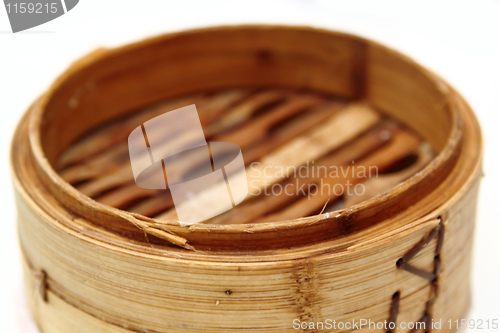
{"x": 101, "y": 256}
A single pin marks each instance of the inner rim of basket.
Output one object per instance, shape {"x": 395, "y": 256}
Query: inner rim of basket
{"x": 109, "y": 84}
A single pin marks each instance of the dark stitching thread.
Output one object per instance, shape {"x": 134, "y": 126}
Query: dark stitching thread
{"x": 40, "y": 275}
{"x": 402, "y": 263}
{"x": 394, "y": 310}
{"x": 426, "y": 319}
{"x": 426, "y": 275}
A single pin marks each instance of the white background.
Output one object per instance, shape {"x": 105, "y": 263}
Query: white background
{"x": 459, "y": 40}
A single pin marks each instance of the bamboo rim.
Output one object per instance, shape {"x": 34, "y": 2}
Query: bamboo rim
{"x": 204, "y": 236}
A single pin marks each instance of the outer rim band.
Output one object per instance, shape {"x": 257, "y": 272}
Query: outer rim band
{"x": 210, "y": 236}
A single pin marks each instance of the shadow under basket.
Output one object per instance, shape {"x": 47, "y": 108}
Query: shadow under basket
{"x": 104, "y": 255}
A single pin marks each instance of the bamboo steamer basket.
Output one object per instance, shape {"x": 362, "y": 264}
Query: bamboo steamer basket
{"x": 401, "y": 256}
